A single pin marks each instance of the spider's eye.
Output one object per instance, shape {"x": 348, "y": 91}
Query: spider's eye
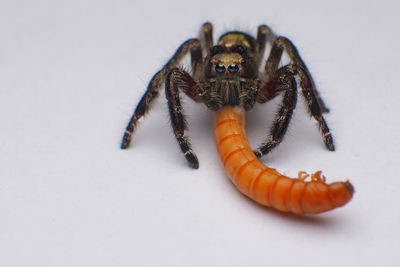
{"x": 220, "y": 68}
{"x": 233, "y": 68}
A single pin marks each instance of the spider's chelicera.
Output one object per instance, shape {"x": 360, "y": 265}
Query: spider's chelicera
{"x": 229, "y": 75}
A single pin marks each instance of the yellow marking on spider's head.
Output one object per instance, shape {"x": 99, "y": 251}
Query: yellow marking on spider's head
{"x": 233, "y": 38}
{"x": 227, "y": 59}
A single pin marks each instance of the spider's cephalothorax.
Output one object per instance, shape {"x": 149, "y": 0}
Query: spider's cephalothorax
{"x": 230, "y": 74}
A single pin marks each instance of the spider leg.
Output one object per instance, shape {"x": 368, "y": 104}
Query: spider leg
{"x": 196, "y": 56}
{"x": 153, "y": 88}
{"x": 196, "y": 53}
{"x": 178, "y": 80}
{"x": 279, "y": 45}
{"x": 283, "y": 81}
{"x": 315, "y": 105}
{"x": 206, "y": 37}
{"x": 264, "y": 35}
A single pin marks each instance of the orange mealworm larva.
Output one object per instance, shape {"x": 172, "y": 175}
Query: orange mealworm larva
{"x": 266, "y": 186}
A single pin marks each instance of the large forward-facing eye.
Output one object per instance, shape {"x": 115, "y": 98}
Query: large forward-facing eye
{"x": 233, "y": 68}
{"x": 220, "y": 68}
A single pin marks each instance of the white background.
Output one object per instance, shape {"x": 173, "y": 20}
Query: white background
{"x": 71, "y": 73}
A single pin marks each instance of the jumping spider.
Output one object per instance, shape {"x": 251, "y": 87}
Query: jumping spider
{"x": 229, "y": 75}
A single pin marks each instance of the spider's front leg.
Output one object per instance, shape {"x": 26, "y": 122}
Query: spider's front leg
{"x": 264, "y": 35}
{"x": 206, "y": 37}
{"x": 152, "y": 92}
{"x": 315, "y": 105}
{"x": 179, "y": 80}
{"x": 282, "y": 82}
{"x": 281, "y": 44}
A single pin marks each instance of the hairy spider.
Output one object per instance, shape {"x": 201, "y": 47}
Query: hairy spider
{"x": 229, "y": 75}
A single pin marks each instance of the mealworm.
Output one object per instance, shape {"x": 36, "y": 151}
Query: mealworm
{"x": 265, "y": 185}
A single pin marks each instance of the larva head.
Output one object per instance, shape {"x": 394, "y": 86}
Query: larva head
{"x": 340, "y": 193}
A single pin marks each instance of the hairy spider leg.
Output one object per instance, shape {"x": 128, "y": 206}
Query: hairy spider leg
{"x": 154, "y": 86}
{"x": 264, "y": 35}
{"x": 314, "y": 102}
{"x": 206, "y": 37}
{"x": 195, "y": 46}
{"x": 282, "y": 81}
{"x": 281, "y": 44}
{"x": 179, "y": 80}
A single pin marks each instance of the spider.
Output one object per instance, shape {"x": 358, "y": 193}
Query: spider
{"x": 230, "y": 74}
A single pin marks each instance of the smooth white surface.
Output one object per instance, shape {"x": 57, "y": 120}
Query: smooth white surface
{"x": 71, "y": 73}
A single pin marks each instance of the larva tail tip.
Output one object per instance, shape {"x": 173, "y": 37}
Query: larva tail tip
{"x": 349, "y": 187}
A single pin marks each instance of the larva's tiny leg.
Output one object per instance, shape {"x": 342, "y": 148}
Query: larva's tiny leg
{"x": 178, "y": 80}
{"x": 317, "y": 176}
{"x": 302, "y": 175}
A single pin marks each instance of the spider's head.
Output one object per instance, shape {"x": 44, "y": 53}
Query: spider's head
{"x": 229, "y": 62}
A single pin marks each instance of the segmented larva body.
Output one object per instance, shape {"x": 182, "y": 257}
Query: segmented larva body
{"x": 266, "y": 186}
